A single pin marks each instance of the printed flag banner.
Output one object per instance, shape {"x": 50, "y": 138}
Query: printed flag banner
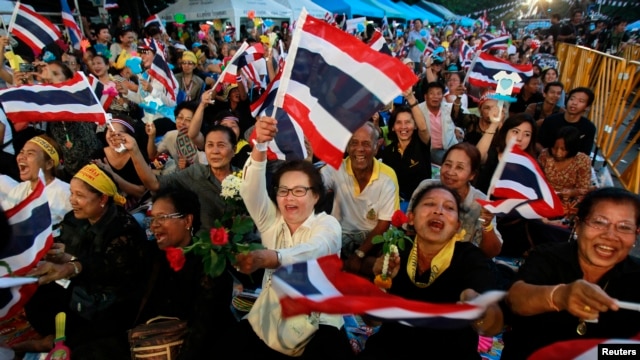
{"x": 320, "y": 285}
{"x": 32, "y": 28}
{"x": 75, "y": 35}
{"x": 332, "y": 83}
{"x": 71, "y": 100}
{"x": 32, "y": 237}
{"x": 519, "y": 185}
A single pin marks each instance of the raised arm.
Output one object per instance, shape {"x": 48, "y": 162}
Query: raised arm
{"x": 196, "y": 122}
{"x": 418, "y": 116}
{"x": 143, "y": 170}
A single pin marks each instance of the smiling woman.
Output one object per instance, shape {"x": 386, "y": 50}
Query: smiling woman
{"x": 577, "y": 285}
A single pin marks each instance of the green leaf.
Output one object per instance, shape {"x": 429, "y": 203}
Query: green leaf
{"x": 386, "y": 248}
{"x": 377, "y": 239}
{"x": 255, "y": 246}
{"x": 242, "y": 225}
{"x": 400, "y": 244}
{"x": 218, "y": 266}
{"x": 5, "y": 265}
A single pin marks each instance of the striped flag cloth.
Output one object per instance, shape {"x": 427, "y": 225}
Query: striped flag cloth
{"x": 160, "y": 71}
{"x": 110, "y": 4}
{"x": 378, "y": 43}
{"x": 487, "y": 36}
{"x": 71, "y": 100}
{"x": 465, "y": 55}
{"x": 501, "y": 42}
{"x": 320, "y": 285}
{"x": 481, "y": 75}
{"x": 244, "y": 55}
{"x": 332, "y": 83}
{"x": 289, "y": 141}
{"x": 519, "y": 185}
{"x": 155, "y": 21}
{"x": 330, "y": 18}
{"x": 580, "y": 349}
{"x": 75, "y": 35}
{"x": 98, "y": 88}
{"x": 31, "y": 238}
{"x": 503, "y": 29}
{"x": 461, "y": 32}
{"x": 32, "y": 28}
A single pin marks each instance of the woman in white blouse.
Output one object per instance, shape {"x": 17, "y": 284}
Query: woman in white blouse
{"x": 291, "y": 231}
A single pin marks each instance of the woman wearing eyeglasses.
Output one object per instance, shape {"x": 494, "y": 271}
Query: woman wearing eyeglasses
{"x": 190, "y": 85}
{"x": 188, "y": 294}
{"x": 572, "y": 290}
{"x": 291, "y": 231}
{"x": 94, "y": 275}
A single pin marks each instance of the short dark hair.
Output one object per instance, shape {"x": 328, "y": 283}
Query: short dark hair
{"x": 231, "y": 136}
{"x": 189, "y": 105}
{"x": 306, "y": 167}
{"x": 545, "y": 71}
{"x": 392, "y": 120}
{"x": 472, "y": 152}
{"x": 556, "y": 16}
{"x": 98, "y": 27}
{"x": 615, "y": 194}
{"x": 571, "y": 137}
{"x": 585, "y": 90}
{"x": 527, "y": 80}
{"x": 66, "y": 70}
{"x": 415, "y": 200}
{"x": 431, "y": 85}
{"x": 184, "y": 201}
{"x": 553, "y": 83}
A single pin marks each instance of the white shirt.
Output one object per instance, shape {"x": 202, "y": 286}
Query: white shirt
{"x": 7, "y": 134}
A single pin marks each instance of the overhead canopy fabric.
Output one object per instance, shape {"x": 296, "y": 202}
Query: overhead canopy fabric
{"x": 296, "y": 7}
{"x": 414, "y": 12}
{"x": 440, "y": 10}
{"x": 335, "y": 6}
{"x": 235, "y": 10}
{"x": 362, "y": 8}
{"x": 389, "y": 11}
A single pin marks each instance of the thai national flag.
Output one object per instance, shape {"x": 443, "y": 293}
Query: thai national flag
{"x": 501, "y": 42}
{"x": 71, "y": 100}
{"x": 378, "y": 43}
{"x": 503, "y": 29}
{"x": 244, "y": 55}
{"x": 98, "y": 88}
{"x": 579, "y": 349}
{"x": 320, "y": 285}
{"x": 519, "y": 185}
{"x": 156, "y": 21}
{"x": 460, "y": 32}
{"x": 31, "y": 238}
{"x": 332, "y": 83}
{"x": 75, "y": 35}
{"x": 289, "y": 141}
{"x": 110, "y": 4}
{"x": 160, "y": 71}
{"x": 465, "y": 55}
{"x": 487, "y": 36}
{"x": 32, "y": 28}
{"x": 330, "y": 18}
{"x": 481, "y": 75}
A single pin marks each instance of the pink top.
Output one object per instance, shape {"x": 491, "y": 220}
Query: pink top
{"x": 435, "y": 128}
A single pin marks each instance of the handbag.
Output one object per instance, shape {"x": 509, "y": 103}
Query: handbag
{"x": 288, "y": 336}
{"x": 159, "y": 338}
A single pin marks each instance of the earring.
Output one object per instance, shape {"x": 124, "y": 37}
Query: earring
{"x": 102, "y": 205}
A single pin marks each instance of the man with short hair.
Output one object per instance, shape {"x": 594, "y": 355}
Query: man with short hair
{"x": 439, "y": 120}
{"x": 103, "y": 36}
{"x": 366, "y": 196}
{"x": 541, "y": 110}
{"x": 579, "y": 100}
{"x": 529, "y": 94}
{"x": 575, "y": 31}
{"x": 554, "y": 29}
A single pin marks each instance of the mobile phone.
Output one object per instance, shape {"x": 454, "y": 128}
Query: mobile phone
{"x": 118, "y": 78}
{"x": 26, "y": 67}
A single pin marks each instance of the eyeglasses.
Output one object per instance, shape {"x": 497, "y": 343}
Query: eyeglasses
{"x": 188, "y": 63}
{"x": 602, "y": 223}
{"x": 161, "y": 219}
{"x": 297, "y": 191}
{"x": 144, "y": 51}
{"x": 69, "y": 63}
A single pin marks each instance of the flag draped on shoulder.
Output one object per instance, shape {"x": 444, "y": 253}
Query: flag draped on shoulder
{"x": 320, "y": 285}
{"x": 75, "y": 35}
{"x": 32, "y": 28}
{"x": 332, "y": 83}
{"x": 71, "y": 100}
{"x": 519, "y": 185}
{"x": 486, "y": 66}
{"x": 30, "y": 222}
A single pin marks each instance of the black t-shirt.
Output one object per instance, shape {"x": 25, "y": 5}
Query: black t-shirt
{"x": 550, "y": 125}
{"x": 521, "y": 104}
{"x": 580, "y": 30}
{"x": 411, "y": 167}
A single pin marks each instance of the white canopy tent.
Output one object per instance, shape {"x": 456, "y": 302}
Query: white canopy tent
{"x": 296, "y": 6}
{"x": 233, "y": 10}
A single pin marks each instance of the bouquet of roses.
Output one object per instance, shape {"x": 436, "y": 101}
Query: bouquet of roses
{"x": 393, "y": 239}
{"x": 226, "y": 238}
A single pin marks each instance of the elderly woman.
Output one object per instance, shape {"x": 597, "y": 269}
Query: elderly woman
{"x": 438, "y": 269}
{"x": 188, "y": 294}
{"x": 100, "y": 261}
{"x": 292, "y": 231}
{"x": 41, "y": 153}
{"x": 409, "y": 152}
{"x": 459, "y": 168}
{"x": 572, "y": 290}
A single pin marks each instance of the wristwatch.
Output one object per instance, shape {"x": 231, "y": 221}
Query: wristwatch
{"x": 73, "y": 261}
{"x": 359, "y": 253}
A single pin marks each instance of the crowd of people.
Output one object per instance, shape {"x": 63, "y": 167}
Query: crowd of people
{"x": 122, "y": 195}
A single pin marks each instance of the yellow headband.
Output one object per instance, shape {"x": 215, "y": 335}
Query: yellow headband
{"x": 189, "y": 56}
{"x": 95, "y": 177}
{"x": 47, "y": 148}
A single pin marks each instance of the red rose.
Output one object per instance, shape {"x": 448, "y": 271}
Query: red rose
{"x": 398, "y": 219}
{"x": 176, "y": 259}
{"x": 219, "y": 237}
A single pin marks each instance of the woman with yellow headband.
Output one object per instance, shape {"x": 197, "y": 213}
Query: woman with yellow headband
{"x": 436, "y": 268}
{"x": 101, "y": 262}
{"x": 41, "y": 153}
